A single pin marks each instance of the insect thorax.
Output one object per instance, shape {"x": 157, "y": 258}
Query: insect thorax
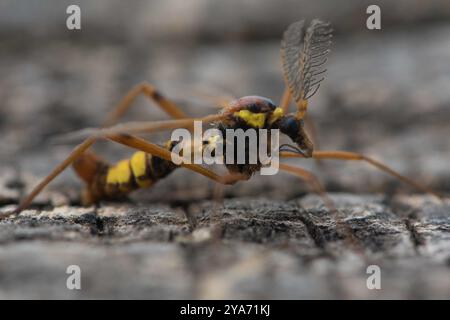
{"x": 250, "y": 117}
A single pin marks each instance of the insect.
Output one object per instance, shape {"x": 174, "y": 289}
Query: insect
{"x": 304, "y": 51}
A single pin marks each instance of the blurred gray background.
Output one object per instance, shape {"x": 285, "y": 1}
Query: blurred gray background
{"x": 387, "y": 94}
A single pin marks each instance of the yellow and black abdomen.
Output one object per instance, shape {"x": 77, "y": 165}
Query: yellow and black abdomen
{"x": 140, "y": 171}
{"x": 104, "y": 181}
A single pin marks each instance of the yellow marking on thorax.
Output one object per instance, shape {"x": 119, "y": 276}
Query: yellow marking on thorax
{"x": 119, "y": 174}
{"x": 138, "y": 164}
{"x": 276, "y": 114}
{"x": 255, "y": 120}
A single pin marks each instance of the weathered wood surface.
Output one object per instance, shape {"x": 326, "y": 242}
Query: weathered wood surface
{"x": 262, "y": 249}
{"x": 386, "y": 95}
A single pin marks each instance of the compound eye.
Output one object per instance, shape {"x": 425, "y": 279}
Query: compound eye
{"x": 290, "y": 126}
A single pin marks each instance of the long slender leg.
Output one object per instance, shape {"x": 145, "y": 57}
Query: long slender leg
{"x": 345, "y": 155}
{"x": 134, "y": 127}
{"x": 312, "y": 180}
{"x": 76, "y": 152}
{"x": 317, "y": 187}
{"x": 146, "y": 146}
{"x": 149, "y": 91}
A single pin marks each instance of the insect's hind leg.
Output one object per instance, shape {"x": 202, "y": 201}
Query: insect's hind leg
{"x": 150, "y": 92}
{"x": 76, "y": 152}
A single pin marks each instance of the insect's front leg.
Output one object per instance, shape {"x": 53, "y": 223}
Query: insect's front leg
{"x": 353, "y": 156}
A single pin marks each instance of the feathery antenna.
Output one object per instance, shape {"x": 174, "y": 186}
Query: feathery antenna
{"x": 304, "y": 53}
